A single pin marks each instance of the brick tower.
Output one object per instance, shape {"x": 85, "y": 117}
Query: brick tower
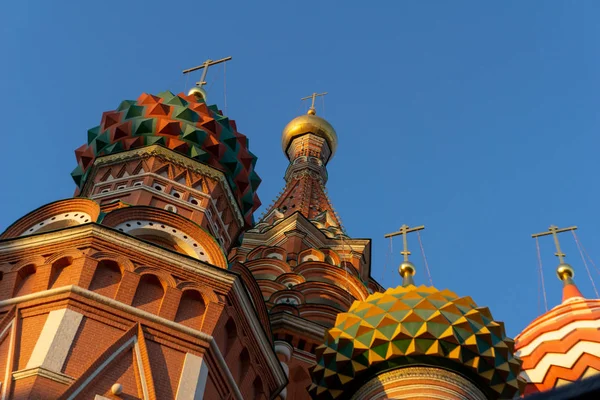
{"x": 306, "y": 267}
{"x": 124, "y": 291}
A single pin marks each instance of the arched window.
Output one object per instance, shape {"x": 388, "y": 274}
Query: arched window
{"x": 257, "y": 388}
{"x": 191, "y": 309}
{"x": 231, "y": 332}
{"x": 106, "y": 278}
{"x": 60, "y": 275}
{"x": 149, "y": 294}
{"x": 25, "y": 278}
{"x": 244, "y": 364}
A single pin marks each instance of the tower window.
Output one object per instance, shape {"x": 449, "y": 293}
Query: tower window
{"x": 171, "y": 208}
{"x": 158, "y": 187}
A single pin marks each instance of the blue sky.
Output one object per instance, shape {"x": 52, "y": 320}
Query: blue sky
{"x": 477, "y": 119}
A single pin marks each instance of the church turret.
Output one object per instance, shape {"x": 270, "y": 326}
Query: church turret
{"x": 309, "y": 142}
{"x": 307, "y": 268}
{"x": 124, "y": 291}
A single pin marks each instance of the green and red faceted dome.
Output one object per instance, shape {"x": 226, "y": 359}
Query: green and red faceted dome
{"x": 182, "y": 123}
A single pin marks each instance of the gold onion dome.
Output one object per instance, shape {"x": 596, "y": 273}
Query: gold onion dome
{"x": 409, "y": 326}
{"x": 309, "y": 123}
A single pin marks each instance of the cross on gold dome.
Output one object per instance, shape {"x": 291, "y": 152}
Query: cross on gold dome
{"x": 404, "y": 229}
{"x": 554, "y": 231}
{"x": 204, "y": 66}
{"x": 313, "y": 96}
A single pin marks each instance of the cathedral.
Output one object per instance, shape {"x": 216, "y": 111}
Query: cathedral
{"x": 157, "y": 281}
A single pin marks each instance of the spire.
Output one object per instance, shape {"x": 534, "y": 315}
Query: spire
{"x": 309, "y": 142}
{"x": 198, "y": 91}
{"x": 564, "y": 271}
{"x": 406, "y": 269}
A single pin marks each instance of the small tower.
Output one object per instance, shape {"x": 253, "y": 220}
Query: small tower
{"x": 306, "y": 267}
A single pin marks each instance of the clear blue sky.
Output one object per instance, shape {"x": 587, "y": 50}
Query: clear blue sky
{"x": 477, "y": 119}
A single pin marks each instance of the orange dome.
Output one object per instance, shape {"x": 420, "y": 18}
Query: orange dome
{"x": 562, "y": 345}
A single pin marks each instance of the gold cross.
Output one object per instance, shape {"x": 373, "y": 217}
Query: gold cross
{"x": 554, "y": 231}
{"x": 205, "y": 65}
{"x": 404, "y": 229}
{"x": 313, "y": 96}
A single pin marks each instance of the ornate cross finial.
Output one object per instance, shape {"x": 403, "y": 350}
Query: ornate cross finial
{"x": 205, "y": 65}
{"x": 554, "y": 231}
{"x": 404, "y": 229}
{"x": 313, "y": 96}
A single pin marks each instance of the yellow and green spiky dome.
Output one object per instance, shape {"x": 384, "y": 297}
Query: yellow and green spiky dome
{"x": 412, "y": 325}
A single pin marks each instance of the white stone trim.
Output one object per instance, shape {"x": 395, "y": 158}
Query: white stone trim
{"x": 138, "y": 313}
{"x": 43, "y": 372}
{"x": 55, "y": 340}
{"x": 131, "y": 343}
{"x": 183, "y": 239}
{"x": 12, "y": 326}
{"x": 77, "y": 216}
{"x": 171, "y": 258}
{"x": 138, "y": 359}
{"x": 192, "y": 382}
{"x": 104, "y": 233}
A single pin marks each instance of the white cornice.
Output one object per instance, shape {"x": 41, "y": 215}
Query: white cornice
{"x": 314, "y": 236}
{"x": 46, "y": 373}
{"x": 121, "y": 240}
{"x": 297, "y": 323}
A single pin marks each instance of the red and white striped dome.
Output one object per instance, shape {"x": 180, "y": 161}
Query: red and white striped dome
{"x": 562, "y": 345}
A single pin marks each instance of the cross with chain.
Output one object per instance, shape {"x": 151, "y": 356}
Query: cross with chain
{"x": 204, "y": 66}
{"x": 404, "y": 229}
{"x": 313, "y": 96}
{"x": 554, "y": 231}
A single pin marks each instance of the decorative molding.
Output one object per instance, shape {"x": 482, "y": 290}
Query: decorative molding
{"x": 45, "y": 373}
{"x": 177, "y": 159}
{"x": 264, "y": 344}
{"x": 185, "y": 240}
{"x": 124, "y": 241}
{"x": 79, "y": 217}
{"x": 428, "y": 377}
